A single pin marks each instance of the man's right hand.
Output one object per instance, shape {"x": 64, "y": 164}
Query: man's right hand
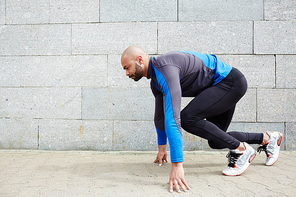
{"x": 162, "y": 155}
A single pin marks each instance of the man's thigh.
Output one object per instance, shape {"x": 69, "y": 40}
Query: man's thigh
{"x": 213, "y": 101}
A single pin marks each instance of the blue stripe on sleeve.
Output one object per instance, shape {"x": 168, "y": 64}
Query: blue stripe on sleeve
{"x": 173, "y": 133}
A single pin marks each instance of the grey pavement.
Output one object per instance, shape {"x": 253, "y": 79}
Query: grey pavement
{"x": 92, "y": 173}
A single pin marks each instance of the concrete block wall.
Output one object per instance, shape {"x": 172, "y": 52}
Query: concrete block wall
{"x": 62, "y": 86}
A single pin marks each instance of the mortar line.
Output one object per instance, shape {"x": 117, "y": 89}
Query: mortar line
{"x": 38, "y": 137}
{"x": 275, "y": 86}
{"x": 113, "y": 135}
{"x": 49, "y": 12}
{"x": 99, "y": 11}
{"x": 157, "y": 26}
{"x": 107, "y": 61}
{"x": 253, "y": 39}
{"x": 256, "y": 96}
{"x": 178, "y": 10}
{"x": 263, "y": 16}
{"x": 5, "y": 12}
{"x": 285, "y": 138}
{"x": 81, "y": 102}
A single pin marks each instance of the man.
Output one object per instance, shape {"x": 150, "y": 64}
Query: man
{"x": 216, "y": 88}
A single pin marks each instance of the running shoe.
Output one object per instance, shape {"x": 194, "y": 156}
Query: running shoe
{"x": 272, "y": 147}
{"x": 239, "y": 161}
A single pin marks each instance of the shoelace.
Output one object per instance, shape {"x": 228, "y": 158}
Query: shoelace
{"x": 232, "y": 158}
{"x": 264, "y": 148}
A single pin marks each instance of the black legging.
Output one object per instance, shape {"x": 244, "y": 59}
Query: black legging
{"x": 209, "y": 114}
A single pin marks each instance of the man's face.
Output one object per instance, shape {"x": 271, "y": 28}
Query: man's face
{"x": 133, "y": 70}
{"x": 138, "y": 73}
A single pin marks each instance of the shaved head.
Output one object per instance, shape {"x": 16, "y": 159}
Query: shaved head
{"x": 135, "y": 61}
{"x": 132, "y": 52}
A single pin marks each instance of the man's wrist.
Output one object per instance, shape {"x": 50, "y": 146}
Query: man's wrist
{"x": 162, "y": 147}
{"x": 177, "y": 164}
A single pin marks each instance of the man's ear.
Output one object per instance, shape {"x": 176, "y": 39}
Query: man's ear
{"x": 140, "y": 59}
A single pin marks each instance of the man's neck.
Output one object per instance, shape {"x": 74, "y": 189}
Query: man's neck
{"x": 146, "y": 65}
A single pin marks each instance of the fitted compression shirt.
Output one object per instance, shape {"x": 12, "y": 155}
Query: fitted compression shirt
{"x": 177, "y": 74}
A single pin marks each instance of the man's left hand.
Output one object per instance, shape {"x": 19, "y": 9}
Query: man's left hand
{"x": 177, "y": 178}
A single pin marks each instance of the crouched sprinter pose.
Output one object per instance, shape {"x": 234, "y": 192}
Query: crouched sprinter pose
{"x": 216, "y": 88}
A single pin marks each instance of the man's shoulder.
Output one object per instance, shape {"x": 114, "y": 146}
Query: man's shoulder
{"x": 168, "y": 55}
{"x": 168, "y": 59}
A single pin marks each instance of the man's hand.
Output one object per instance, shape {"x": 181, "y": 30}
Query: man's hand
{"x": 177, "y": 178}
{"x": 162, "y": 155}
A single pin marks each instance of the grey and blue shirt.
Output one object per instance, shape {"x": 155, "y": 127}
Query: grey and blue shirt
{"x": 177, "y": 74}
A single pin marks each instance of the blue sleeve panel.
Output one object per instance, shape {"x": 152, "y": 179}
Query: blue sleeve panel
{"x": 172, "y": 130}
{"x": 161, "y": 137}
{"x": 220, "y": 68}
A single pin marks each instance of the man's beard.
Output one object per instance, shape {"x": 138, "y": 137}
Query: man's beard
{"x": 139, "y": 72}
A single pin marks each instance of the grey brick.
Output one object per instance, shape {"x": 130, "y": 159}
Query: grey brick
{"x": 35, "y": 39}
{"x": 118, "y": 103}
{"x": 95, "y": 103}
{"x": 27, "y": 12}
{"x": 134, "y": 135}
{"x": 2, "y": 12}
{"x": 40, "y": 103}
{"x": 106, "y": 38}
{"x": 279, "y": 10}
{"x": 10, "y": 71}
{"x": 276, "y": 105}
{"x": 144, "y": 10}
{"x": 245, "y": 110}
{"x": 75, "y": 135}
{"x": 221, "y": 10}
{"x": 69, "y": 11}
{"x": 259, "y": 70}
{"x": 19, "y": 134}
{"x": 131, "y": 104}
{"x": 53, "y": 71}
{"x": 290, "y": 136}
{"x": 221, "y": 37}
{"x": 274, "y": 37}
{"x": 191, "y": 142}
{"x": 285, "y": 71}
{"x": 117, "y": 76}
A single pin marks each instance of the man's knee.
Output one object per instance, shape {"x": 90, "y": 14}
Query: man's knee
{"x": 188, "y": 121}
{"x": 215, "y": 145}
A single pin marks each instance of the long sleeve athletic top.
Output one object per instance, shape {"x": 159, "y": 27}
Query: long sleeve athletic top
{"x": 177, "y": 74}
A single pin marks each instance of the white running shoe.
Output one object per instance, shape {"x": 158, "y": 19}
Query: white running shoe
{"x": 272, "y": 147}
{"x": 239, "y": 161}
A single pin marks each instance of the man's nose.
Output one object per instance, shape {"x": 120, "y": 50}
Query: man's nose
{"x": 126, "y": 73}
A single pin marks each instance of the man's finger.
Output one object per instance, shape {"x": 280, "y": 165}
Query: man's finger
{"x": 177, "y": 186}
{"x": 182, "y": 186}
{"x": 171, "y": 186}
{"x": 160, "y": 162}
{"x": 186, "y": 185}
